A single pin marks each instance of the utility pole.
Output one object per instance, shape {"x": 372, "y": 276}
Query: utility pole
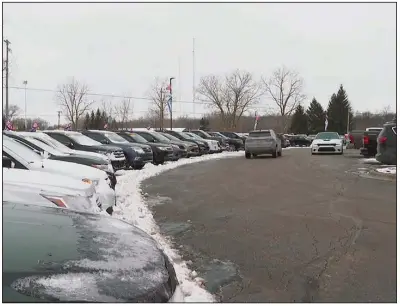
{"x": 170, "y": 101}
{"x": 26, "y": 124}
{"x": 194, "y": 81}
{"x": 161, "y": 110}
{"x": 59, "y": 115}
{"x": 7, "y": 50}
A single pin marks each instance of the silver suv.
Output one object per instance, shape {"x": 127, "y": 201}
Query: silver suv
{"x": 263, "y": 142}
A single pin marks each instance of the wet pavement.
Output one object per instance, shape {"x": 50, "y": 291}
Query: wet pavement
{"x": 299, "y": 228}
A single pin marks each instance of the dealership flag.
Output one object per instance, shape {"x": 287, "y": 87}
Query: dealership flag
{"x": 326, "y": 122}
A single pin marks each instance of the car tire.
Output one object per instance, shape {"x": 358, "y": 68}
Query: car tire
{"x": 280, "y": 153}
{"x": 275, "y": 154}
{"x": 254, "y": 155}
{"x": 247, "y": 155}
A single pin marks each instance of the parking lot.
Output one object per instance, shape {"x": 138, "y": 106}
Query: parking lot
{"x": 297, "y": 228}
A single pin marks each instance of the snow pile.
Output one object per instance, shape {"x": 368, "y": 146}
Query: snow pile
{"x": 131, "y": 208}
{"x": 388, "y": 170}
{"x": 370, "y": 161}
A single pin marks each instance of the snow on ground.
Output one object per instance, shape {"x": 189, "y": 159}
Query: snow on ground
{"x": 370, "y": 161}
{"x": 388, "y": 170}
{"x": 131, "y": 208}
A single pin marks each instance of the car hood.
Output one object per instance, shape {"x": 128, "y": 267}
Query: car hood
{"x": 38, "y": 180}
{"x": 68, "y": 169}
{"x": 134, "y": 144}
{"x": 159, "y": 144}
{"x": 327, "y": 141}
{"x": 90, "y": 154}
{"x": 106, "y": 148}
{"x": 80, "y": 257}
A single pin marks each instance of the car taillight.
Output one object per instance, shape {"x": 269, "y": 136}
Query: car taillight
{"x": 55, "y": 200}
{"x": 365, "y": 140}
{"x": 382, "y": 139}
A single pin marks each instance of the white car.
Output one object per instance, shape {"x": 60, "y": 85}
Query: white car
{"x": 48, "y": 189}
{"x": 327, "y": 142}
{"x": 24, "y": 158}
{"x": 50, "y": 141}
{"x": 212, "y": 144}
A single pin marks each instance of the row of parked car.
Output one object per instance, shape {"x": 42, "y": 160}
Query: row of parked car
{"x": 58, "y": 195}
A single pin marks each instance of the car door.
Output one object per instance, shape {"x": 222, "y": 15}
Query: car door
{"x": 147, "y": 136}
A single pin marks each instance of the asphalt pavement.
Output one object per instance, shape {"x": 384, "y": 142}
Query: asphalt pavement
{"x": 299, "y": 228}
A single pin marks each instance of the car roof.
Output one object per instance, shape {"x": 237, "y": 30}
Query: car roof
{"x": 62, "y": 132}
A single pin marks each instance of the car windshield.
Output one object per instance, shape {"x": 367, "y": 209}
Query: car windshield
{"x": 217, "y": 134}
{"x": 203, "y": 133}
{"x": 184, "y": 135}
{"x": 115, "y": 137}
{"x": 260, "y": 134}
{"x": 327, "y": 135}
{"x": 50, "y": 141}
{"x": 138, "y": 138}
{"x": 84, "y": 140}
{"x": 44, "y": 146}
{"x": 193, "y": 135}
{"x": 170, "y": 137}
{"x": 159, "y": 137}
{"x": 20, "y": 150}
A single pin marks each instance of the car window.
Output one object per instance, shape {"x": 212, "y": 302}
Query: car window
{"x": 60, "y": 138}
{"x": 185, "y": 136}
{"x": 43, "y": 146}
{"x": 20, "y": 150}
{"x": 327, "y": 135}
{"x": 260, "y": 134}
{"x": 95, "y": 136}
{"x": 115, "y": 137}
{"x": 146, "y": 136}
{"x": 138, "y": 138}
{"x": 160, "y": 137}
{"x": 84, "y": 140}
{"x": 170, "y": 137}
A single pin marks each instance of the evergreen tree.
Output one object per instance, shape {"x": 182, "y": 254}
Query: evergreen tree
{"x": 338, "y": 109}
{"x": 316, "y": 117}
{"x": 86, "y": 122}
{"x": 98, "y": 120}
{"x": 299, "y": 124}
{"x": 92, "y": 120}
{"x": 104, "y": 119}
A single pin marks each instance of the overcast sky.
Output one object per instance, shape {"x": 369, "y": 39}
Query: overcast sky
{"x": 120, "y": 48}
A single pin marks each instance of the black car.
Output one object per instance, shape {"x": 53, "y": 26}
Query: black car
{"x": 155, "y": 137}
{"x": 233, "y": 135}
{"x": 190, "y": 148}
{"x": 203, "y": 145}
{"x": 235, "y": 144}
{"x": 161, "y": 152}
{"x": 222, "y": 141}
{"x": 51, "y": 254}
{"x": 40, "y": 147}
{"x": 78, "y": 141}
{"x": 137, "y": 155}
{"x": 387, "y": 144}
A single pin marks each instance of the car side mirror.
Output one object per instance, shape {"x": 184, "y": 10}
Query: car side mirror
{"x": 8, "y": 163}
{"x": 70, "y": 145}
{"x": 45, "y": 154}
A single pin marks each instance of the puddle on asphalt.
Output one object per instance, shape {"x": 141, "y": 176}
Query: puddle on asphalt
{"x": 157, "y": 200}
{"x": 218, "y": 273}
{"x": 174, "y": 228}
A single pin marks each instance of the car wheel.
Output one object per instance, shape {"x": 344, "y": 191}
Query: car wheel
{"x": 275, "y": 154}
{"x": 247, "y": 155}
{"x": 280, "y": 153}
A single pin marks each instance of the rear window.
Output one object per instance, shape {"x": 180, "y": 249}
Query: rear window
{"x": 260, "y": 134}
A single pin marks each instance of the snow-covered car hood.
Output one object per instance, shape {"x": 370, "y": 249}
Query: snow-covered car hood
{"x": 327, "y": 141}
{"x": 91, "y": 154}
{"x": 68, "y": 169}
{"x": 94, "y": 258}
{"x": 51, "y": 182}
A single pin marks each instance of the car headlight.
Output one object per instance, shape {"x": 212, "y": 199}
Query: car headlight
{"x": 175, "y": 146}
{"x": 162, "y": 148}
{"x": 138, "y": 150}
{"x": 59, "y": 201}
{"x": 103, "y": 152}
{"x": 338, "y": 144}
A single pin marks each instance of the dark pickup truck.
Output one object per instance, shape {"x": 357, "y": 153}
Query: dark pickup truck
{"x": 369, "y": 142}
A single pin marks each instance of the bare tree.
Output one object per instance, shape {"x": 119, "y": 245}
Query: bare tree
{"x": 158, "y": 95}
{"x": 107, "y": 107}
{"x": 73, "y": 101}
{"x": 285, "y": 88}
{"x": 123, "y": 111}
{"x": 13, "y": 111}
{"x": 230, "y": 96}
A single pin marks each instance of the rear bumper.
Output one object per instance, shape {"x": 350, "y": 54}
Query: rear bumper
{"x": 327, "y": 150}
{"x": 260, "y": 150}
{"x": 368, "y": 152}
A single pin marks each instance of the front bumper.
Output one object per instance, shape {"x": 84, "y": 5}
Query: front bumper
{"x": 106, "y": 194}
{"x": 327, "y": 149}
{"x": 118, "y": 164}
{"x": 161, "y": 156}
{"x": 141, "y": 159}
{"x": 193, "y": 151}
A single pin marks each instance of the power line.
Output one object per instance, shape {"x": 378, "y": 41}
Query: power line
{"x": 203, "y": 102}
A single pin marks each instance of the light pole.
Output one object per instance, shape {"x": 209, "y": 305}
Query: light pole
{"x": 170, "y": 97}
{"x": 25, "y": 83}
